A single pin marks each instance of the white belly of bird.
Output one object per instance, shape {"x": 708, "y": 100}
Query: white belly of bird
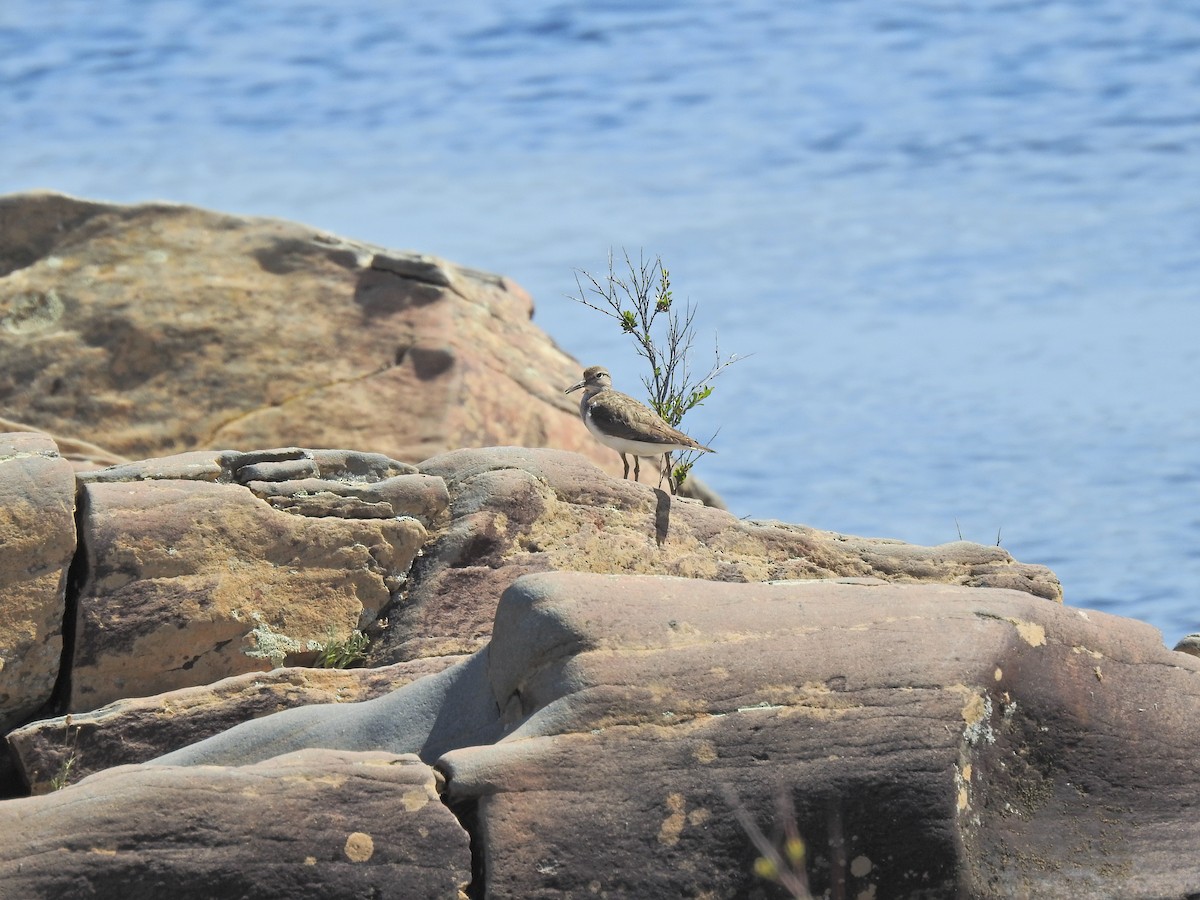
{"x": 623, "y": 445}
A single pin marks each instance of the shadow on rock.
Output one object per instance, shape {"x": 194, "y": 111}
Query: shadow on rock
{"x": 428, "y": 717}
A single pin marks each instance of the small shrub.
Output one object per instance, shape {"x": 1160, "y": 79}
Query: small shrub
{"x": 643, "y": 306}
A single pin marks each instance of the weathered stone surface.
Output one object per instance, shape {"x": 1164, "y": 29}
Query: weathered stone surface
{"x": 980, "y": 743}
{"x": 344, "y": 468}
{"x": 66, "y": 749}
{"x": 212, "y": 564}
{"x": 311, "y": 824}
{"x": 962, "y": 742}
{"x": 515, "y": 511}
{"x": 37, "y": 543}
{"x": 952, "y": 741}
{"x": 155, "y": 329}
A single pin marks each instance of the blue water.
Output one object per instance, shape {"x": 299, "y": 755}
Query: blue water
{"x": 961, "y": 241}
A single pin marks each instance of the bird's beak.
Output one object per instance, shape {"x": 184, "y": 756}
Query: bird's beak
{"x": 575, "y": 387}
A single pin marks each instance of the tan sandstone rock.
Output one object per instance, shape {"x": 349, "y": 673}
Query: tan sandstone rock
{"x": 37, "y": 544}
{"x": 214, "y": 564}
{"x": 83, "y": 455}
{"x": 210, "y": 564}
{"x": 155, "y": 329}
{"x": 516, "y": 510}
{"x": 311, "y": 824}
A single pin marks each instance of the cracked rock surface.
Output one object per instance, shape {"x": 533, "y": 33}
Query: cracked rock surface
{"x": 931, "y": 740}
{"x": 37, "y": 543}
{"x": 934, "y": 741}
{"x": 516, "y": 510}
{"x": 136, "y": 729}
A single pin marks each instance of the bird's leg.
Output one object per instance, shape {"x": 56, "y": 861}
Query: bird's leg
{"x": 637, "y": 468}
{"x": 624, "y": 460}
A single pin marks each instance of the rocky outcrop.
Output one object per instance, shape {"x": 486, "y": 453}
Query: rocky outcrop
{"x": 311, "y": 824}
{"x": 516, "y": 510}
{"x": 37, "y": 544}
{"x": 211, "y": 564}
{"x": 214, "y": 564}
{"x": 934, "y": 740}
{"x": 947, "y": 741}
{"x": 936, "y": 713}
{"x": 1189, "y": 643}
{"x": 138, "y": 331}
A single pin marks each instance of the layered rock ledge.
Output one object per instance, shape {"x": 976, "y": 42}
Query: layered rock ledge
{"x": 940, "y": 722}
{"x": 208, "y": 565}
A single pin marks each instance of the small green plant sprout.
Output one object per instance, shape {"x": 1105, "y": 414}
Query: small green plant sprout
{"x": 958, "y": 528}
{"x": 343, "y": 653}
{"x": 62, "y": 777}
{"x": 640, "y": 300}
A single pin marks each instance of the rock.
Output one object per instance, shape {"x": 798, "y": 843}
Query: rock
{"x": 209, "y": 564}
{"x": 934, "y": 740}
{"x": 310, "y": 824}
{"x": 37, "y": 543}
{"x": 212, "y": 564}
{"x": 66, "y": 749}
{"x": 32, "y": 225}
{"x": 515, "y": 511}
{"x": 345, "y": 468}
{"x": 82, "y": 455}
{"x": 263, "y": 333}
{"x": 951, "y": 741}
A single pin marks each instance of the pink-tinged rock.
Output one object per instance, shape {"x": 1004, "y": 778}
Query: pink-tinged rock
{"x": 37, "y": 543}
{"x": 66, "y": 749}
{"x": 208, "y": 565}
{"x": 311, "y": 824}
{"x": 934, "y": 741}
{"x": 1190, "y": 644}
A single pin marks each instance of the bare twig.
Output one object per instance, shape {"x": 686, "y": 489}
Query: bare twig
{"x": 641, "y": 302}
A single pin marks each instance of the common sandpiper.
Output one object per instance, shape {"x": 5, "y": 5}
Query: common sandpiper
{"x": 618, "y": 421}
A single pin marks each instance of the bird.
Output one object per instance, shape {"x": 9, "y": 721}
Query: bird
{"x": 618, "y": 421}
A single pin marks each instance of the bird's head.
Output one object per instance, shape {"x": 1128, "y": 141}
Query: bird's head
{"x": 595, "y": 378}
